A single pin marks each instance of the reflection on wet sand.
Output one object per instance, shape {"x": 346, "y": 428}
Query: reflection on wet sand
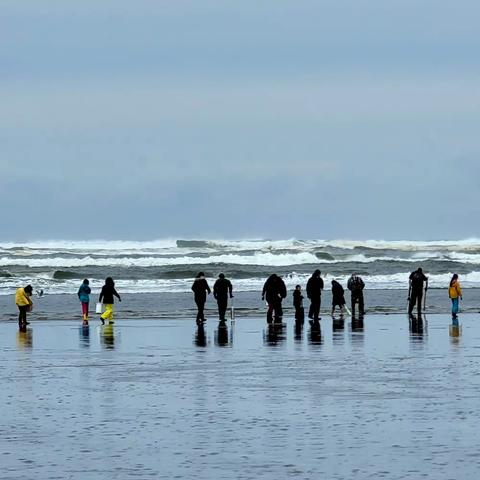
{"x": 221, "y": 334}
{"x": 417, "y": 325}
{"x": 275, "y": 333}
{"x": 357, "y": 338}
{"x": 338, "y": 328}
{"x": 455, "y": 329}
{"x": 315, "y": 337}
{"x": 200, "y": 337}
{"x": 107, "y": 336}
{"x": 25, "y": 338}
{"x": 84, "y": 334}
{"x": 298, "y": 331}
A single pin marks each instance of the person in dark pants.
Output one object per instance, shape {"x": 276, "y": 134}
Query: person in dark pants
{"x": 274, "y": 291}
{"x": 24, "y": 304}
{"x": 415, "y": 290}
{"x": 356, "y": 285}
{"x": 314, "y": 293}
{"x": 221, "y": 291}
{"x": 338, "y": 297}
{"x": 298, "y": 304}
{"x": 200, "y": 289}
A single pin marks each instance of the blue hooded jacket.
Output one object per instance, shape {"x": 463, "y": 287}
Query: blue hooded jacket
{"x": 84, "y": 292}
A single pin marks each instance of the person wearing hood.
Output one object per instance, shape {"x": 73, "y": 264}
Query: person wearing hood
{"x": 107, "y": 294}
{"x": 274, "y": 291}
{"x": 84, "y": 297}
{"x": 455, "y": 293}
{"x": 338, "y": 296}
{"x": 24, "y": 303}
{"x": 200, "y": 290}
{"x": 222, "y": 289}
{"x": 314, "y": 293}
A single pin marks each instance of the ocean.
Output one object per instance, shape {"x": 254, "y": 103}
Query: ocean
{"x": 169, "y": 265}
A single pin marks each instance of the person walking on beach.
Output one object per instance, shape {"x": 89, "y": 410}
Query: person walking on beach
{"x": 24, "y": 303}
{"x": 356, "y": 285}
{"x": 298, "y": 304}
{"x": 338, "y": 297}
{"x": 415, "y": 290}
{"x": 274, "y": 291}
{"x": 84, "y": 297}
{"x": 107, "y": 294}
{"x": 200, "y": 289}
{"x": 222, "y": 289}
{"x": 314, "y": 293}
{"x": 455, "y": 293}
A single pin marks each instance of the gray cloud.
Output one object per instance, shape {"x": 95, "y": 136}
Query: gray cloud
{"x": 308, "y": 119}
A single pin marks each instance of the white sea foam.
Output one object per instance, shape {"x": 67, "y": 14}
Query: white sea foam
{"x": 397, "y": 281}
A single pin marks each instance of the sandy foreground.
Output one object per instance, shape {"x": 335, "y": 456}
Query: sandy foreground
{"x": 146, "y": 399}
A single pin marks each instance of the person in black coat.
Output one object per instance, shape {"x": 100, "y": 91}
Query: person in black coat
{"x": 200, "y": 289}
{"x": 314, "y": 293}
{"x": 274, "y": 291}
{"x": 338, "y": 296}
{"x": 415, "y": 290}
{"x": 106, "y": 296}
{"x": 221, "y": 291}
{"x": 298, "y": 304}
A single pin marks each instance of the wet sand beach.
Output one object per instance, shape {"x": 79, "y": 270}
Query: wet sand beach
{"x": 147, "y": 399}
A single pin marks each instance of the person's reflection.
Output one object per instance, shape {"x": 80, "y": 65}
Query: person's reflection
{"x": 418, "y": 326}
{"x": 357, "y": 324}
{"x": 298, "y": 331}
{"x": 84, "y": 336}
{"x": 455, "y": 328}
{"x": 200, "y": 337}
{"x": 107, "y": 336}
{"x": 221, "y": 334}
{"x": 315, "y": 337}
{"x": 274, "y": 333}
{"x": 24, "y": 338}
{"x": 338, "y": 323}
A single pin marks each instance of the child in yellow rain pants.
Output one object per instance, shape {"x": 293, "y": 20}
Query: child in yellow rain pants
{"x": 106, "y": 295}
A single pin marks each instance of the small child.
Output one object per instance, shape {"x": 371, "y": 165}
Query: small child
{"x": 107, "y": 294}
{"x": 298, "y": 304}
{"x": 338, "y": 297}
{"x": 84, "y": 297}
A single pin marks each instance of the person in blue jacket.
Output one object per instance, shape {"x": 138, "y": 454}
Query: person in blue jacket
{"x": 84, "y": 297}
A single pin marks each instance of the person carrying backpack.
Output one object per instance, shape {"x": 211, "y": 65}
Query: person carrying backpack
{"x": 415, "y": 290}
{"x": 356, "y": 285}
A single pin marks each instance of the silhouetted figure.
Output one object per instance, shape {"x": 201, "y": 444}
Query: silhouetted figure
{"x": 338, "y": 296}
{"x": 415, "y": 290}
{"x": 221, "y": 291}
{"x": 200, "y": 289}
{"x": 24, "y": 303}
{"x": 274, "y": 291}
{"x": 314, "y": 293}
{"x": 298, "y": 304}
{"x": 356, "y": 285}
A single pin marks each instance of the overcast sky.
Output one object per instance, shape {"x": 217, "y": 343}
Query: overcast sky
{"x": 254, "y": 118}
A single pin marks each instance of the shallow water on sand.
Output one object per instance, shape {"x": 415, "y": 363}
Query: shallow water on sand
{"x": 146, "y": 399}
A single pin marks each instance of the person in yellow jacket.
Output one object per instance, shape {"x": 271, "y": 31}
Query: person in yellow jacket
{"x": 455, "y": 293}
{"x": 24, "y": 304}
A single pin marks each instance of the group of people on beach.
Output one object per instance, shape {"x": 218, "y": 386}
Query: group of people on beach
{"x": 274, "y": 292}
